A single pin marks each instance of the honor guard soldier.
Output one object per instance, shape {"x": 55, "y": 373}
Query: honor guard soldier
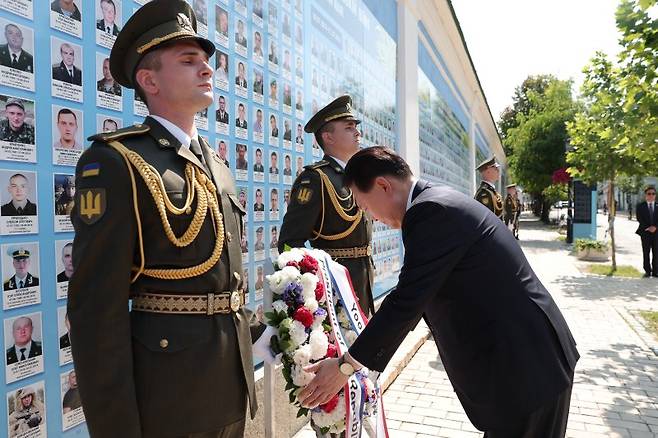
{"x": 158, "y": 222}
{"x": 512, "y": 210}
{"x": 322, "y": 210}
{"x": 486, "y": 193}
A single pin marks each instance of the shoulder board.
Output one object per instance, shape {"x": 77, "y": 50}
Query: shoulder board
{"x": 128, "y": 131}
{"x": 317, "y": 164}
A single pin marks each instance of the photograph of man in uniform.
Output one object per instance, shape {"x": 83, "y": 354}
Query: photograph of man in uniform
{"x": 220, "y": 114}
{"x": 221, "y": 68}
{"x": 258, "y": 166}
{"x": 299, "y": 166}
{"x": 287, "y": 165}
{"x": 241, "y": 159}
{"x": 20, "y": 205}
{"x": 287, "y": 131}
{"x": 67, "y": 8}
{"x": 65, "y": 339}
{"x": 258, "y": 205}
{"x": 12, "y": 53}
{"x": 274, "y": 91}
{"x": 107, "y": 23}
{"x": 106, "y": 83}
{"x": 65, "y": 202}
{"x": 71, "y": 399}
{"x": 109, "y": 125}
{"x": 258, "y": 82}
{"x": 240, "y": 79}
{"x": 14, "y": 128}
{"x": 27, "y": 413}
{"x": 67, "y": 125}
{"x": 22, "y": 276}
{"x": 259, "y": 245}
{"x": 299, "y": 138}
{"x": 258, "y": 124}
{"x": 201, "y": 11}
{"x": 66, "y": 71}
{"x": 222, "y": 151}
{"x": 274, "y": 164}
{"x": 221, "y": 21}
{"x": 25, "y": 347}
{"x": 274, "y": 129}
{"x": 241, "y": 121}
{"x": 274, "y": 201}
{"x": 240, "y": 37}
{"x": 274, "y": 240}
{"x": 258, "y": 45}
{"x": 273, "y": 57}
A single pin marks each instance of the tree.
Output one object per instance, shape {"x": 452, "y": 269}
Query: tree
{"x": 538, "y": 141}
{"x": 599, "y": 134}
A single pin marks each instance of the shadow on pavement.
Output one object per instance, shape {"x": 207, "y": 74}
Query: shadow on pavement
{"x": 594, "y": 287}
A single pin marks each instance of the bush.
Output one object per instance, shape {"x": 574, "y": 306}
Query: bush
{"x": 584, "y": 244}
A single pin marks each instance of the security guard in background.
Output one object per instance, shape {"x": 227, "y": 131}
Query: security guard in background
{"x": 486, "y": 193}
{"x": 158, "y": 221}
{"x": 512, "y": 210}
{"x": 323, "y": 211}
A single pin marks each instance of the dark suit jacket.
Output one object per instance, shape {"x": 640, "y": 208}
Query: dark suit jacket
{"x": 25, "y": 61}
{"x": 100, "y": 25}
{"x": 209, "y": 356}
{"x": 645, "y": 220}
{"x": 9, "y": 210}
{"x": 242, "y": 124}
{"x": 60, "y": 73}
{"x": 503, "y": 341}
{"x": 30, "y": 281}
{"x": 12, "y": 354}
{"x": 221, "y": 118}
{"x": 64, "y": 341}
{"x": 55, "y": 7}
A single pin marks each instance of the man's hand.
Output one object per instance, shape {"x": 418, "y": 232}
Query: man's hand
{"x": 651, "y": 229}
{"x": 327, "y": 382}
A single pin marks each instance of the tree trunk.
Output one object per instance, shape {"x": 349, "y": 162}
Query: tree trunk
{"x": 536, "y": 205}
{"x": 545, "y": 211}
{"x": 612, "y": 208}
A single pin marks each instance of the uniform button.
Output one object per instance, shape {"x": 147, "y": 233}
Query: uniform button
{"x": 228, "y": 236}
{"x": 164, "y": 343}
{"x": 237, "y": 276}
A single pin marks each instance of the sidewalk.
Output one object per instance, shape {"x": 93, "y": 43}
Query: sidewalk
{"x": 616, "y": 384}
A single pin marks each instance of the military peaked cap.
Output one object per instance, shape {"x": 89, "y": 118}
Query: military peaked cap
{"x": 488, "y": 163}
{"x": 155, "y": 23}
{"x": 339, "y": 109}
{"x": 19, "y": 253}
{"x": 510, "y": 186}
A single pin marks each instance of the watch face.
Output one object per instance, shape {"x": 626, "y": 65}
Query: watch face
{"x": 346, "y": 369}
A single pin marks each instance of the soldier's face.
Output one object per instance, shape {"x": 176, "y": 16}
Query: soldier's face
{"x": 68, "y": 55}
{"x": 241, "y": 153}
{"x": 273, "y": 160}
{"x": 241, "y": 112}
{"x": 257, "y": 41}
{"x": 222, "y": 150}
{"x": 223, "y": 23}
{"x": 18, "y": 188}
{"x": 109, "y": 126}
{"x": 274, "y": 201}
{"x": 287, "y": 162}
{"x": 73, "y": 380}
{"x": 259, "y": 116}
{"x": 107, "y": 75}
{"x": 184, "y": 83}
{"x": 27, "y": 401}
{"x": 259, "y": 156}
{"x": 22, "y": 331}
{"x": 21, "y": 265}
{"x": 345, "y": 136}
{"x": 67, "y": 126}
{"x": 259, "y": 197}
{"x": 299, "y": 130}
{"x": 259, "y": 236}
{"x": 14, "y": 37}
{"x": 16, "y": 116}
{"x": 108, "y": 13}
{"x": 491, "y": 174}
{"x": 222, "y": 105}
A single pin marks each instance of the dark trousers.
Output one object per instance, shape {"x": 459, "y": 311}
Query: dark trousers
{"x": 549, "y": 421}
{"x": 650, "y": 245}
{"x": 233, "y": 430}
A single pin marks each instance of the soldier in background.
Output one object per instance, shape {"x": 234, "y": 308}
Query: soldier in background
{"x": 512, "y": 210}
{"x": 486, "y": 193}
{"x": 14, "y": 128}
{"x": 323, "y": 211}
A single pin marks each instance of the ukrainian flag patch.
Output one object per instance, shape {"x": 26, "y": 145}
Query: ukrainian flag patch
{"x": 91, "y": 169}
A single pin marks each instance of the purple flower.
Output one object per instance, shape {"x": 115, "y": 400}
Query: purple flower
{"x": 292, "y": 295}
{"x": 320, "y": 312}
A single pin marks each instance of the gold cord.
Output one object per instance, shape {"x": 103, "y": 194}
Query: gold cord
{"x": 197, "y": 184}
{"x": 342, "y": 212}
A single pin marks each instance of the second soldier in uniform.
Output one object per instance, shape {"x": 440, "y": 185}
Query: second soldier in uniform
{"x": 512, "y": 210}
{"x": 486, "y": 193}
{"x": 322, "y": 210}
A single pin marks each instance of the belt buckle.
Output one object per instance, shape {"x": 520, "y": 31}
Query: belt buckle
{"x": 368, "y": 250}
{"x": 211, "y": 304}
{"x": 235, "y": 301}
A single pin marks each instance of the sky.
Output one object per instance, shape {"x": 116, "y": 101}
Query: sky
{"x": 511, "y": 39}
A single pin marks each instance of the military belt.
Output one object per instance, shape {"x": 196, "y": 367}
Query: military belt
{"x": 349, "y": 253}
{"x": 209, "y": 304}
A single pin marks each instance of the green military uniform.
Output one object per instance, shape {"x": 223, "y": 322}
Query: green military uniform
{"x": 322, "y": 210}
{"x": 486, "y": 193}
{"x": 180, "y": 362}
{"x": 25, "y": 133}
{"x": 512, "y": 211}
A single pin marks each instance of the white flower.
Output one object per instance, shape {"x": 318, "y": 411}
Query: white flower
{"x": 293, "y": 255}
{"x": 279, "y": 306}
{"x": 301, "y": 377}
{"x": 302, "y": 355}
{"x": 311, "y": 304}
{"x": 298, "y": 333}
{"x": 350, "y": 336}
{"x": 281, "y": 279}
{"x": 309, "y": 282}
{"x": 334, "y": 420}
{"x": 319, "y": 343}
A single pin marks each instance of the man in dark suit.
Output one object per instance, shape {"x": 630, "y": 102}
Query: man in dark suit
{"x": 505, "y": 345}
{"x": 24, "y": 346}
{"x": 66, "y": 71}
{"x": 648, "y": 221}
{"x": 240, "y": 121}
{"x": 177, "y": 371}
{"x": 12, "y": 54}
{"x": 107, "y": 24}
{"x": 67, "y": 8}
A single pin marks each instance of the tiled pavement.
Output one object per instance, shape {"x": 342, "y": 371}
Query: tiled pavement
{"x": 616, "y": 383}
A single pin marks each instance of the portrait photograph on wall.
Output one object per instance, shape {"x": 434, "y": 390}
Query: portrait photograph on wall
{"x": 66, "y": 59}
{"x": 23, "y": 346}
{"x": 26, "y": 411}
{"x": 18, "y": 214}
{"x": 17, "y": 129}
{"x": 66, "y": 16}
{"x": 67, "y": 125}
{"x": 16, "y": 55}
{"x": 21, "y": 284}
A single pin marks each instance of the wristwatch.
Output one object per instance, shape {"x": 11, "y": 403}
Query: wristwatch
{"x": 345, "y": 367}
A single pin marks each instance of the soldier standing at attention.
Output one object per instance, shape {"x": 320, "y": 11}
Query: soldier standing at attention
{"x": 486, "y": 193}
{"x": 512, "y": 210}
{"x": 323, "y": 211}
{"x": 157, "y": 214}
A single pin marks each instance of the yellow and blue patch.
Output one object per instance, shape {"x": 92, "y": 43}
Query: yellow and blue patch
{"x": 91, "y": 169}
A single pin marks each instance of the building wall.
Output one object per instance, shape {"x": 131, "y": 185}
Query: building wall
{"x": 404, "y": 63}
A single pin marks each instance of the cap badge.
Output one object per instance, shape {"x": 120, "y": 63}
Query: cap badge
{"x": 184, "y": 22}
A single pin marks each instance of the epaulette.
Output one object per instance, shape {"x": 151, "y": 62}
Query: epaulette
{"x": 128, "y": 131}
{"x": 317, "y": 165}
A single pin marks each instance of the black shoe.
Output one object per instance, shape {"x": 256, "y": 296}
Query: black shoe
{"x": 646, "y": 275}
{"x": 654, "y": 275}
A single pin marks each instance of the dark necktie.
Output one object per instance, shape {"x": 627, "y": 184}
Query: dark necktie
{"x": 651, "y": 210}
{"x": 19, "y": 210}
{"x": 108, "y": 29}
{"x": 20, "y": 284}
{"x": 14, "y": 62}
{"x": 22, "y": 353}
